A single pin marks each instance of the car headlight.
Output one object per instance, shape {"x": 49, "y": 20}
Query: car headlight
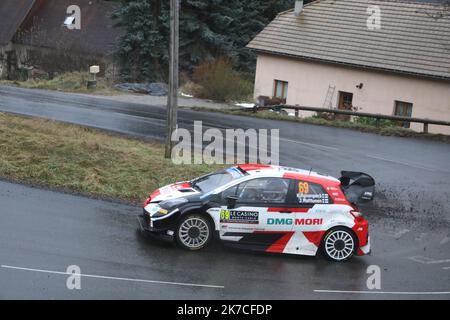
{"x": 168, "y": 204}
{"x": 163, "y": 211}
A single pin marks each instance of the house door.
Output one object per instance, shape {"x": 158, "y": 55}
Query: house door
{"x": 403, "y": 109}
{"x": 345, "y": 103}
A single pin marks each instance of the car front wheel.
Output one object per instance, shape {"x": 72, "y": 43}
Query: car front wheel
{"x": 339, "y": 245}
{"x": 194, "y": 232}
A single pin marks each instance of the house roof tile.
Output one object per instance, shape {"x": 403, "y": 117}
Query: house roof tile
{"x": 411, "y": 39}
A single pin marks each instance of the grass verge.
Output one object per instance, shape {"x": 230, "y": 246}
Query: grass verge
{"x": 386, "y": 131}
{"x": 67, "y": 82}
{"x": 87, "y": 161}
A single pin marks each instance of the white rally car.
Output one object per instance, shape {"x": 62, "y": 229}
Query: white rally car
{"x": 267, "y": 208}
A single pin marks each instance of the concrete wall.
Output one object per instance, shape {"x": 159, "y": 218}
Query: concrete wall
{"x": 309, "y": 83}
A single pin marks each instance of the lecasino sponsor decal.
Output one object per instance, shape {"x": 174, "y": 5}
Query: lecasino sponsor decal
{"x": 238, "y": 216}
{"x": 297, "y": 222}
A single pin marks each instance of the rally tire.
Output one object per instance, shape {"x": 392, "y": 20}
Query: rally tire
{"x": 339, "y": 244}
{"x": 194, "y": 232}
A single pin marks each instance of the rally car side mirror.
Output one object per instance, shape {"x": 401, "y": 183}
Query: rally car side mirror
{"x": 231, "y": 202}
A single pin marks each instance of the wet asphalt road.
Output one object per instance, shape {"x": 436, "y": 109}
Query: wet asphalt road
{"x": 43, "y": 231}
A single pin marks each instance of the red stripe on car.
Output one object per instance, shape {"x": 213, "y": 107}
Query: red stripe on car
{"x": 155, "y": 194}
{"x": 324, "y": 181}
{"x": 280, "y": 244}
{"x": 314, "y": 237}
{"x": 252, "y": 167}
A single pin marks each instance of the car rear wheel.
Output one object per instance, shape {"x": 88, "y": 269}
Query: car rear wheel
{"x": 194, "y": 232}
{"x": 339, "y": 245}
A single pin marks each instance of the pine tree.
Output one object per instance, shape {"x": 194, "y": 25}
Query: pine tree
{"x": 143, "y": 51}
{"x": 208, "y": 29}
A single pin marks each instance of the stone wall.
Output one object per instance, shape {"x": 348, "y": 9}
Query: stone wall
{"x": 42, "y": 62}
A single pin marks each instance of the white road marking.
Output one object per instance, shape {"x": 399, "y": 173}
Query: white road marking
{"x": 446, "y": 268}
{"x": 413, "y": 165}
{"x": 309, "y": 144}
{"x": 400, "y": 233}
{"x": 420, "y": 236}
{"x": 439, "y": 261}
{"x": 116, "y": 278}
{"x": 387, "y": 292}
{"x": 426, "y": 260}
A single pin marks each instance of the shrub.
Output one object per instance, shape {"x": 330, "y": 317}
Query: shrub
{"x": 373, "y": 122}
{"x": 192, "y": 88}
{"x": 218, "y": 81}
{"x": 324, "y": 115}
{"x": 22, "y": 74}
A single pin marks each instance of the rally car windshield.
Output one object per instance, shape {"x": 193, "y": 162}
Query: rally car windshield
{"x": 212, "y": 181}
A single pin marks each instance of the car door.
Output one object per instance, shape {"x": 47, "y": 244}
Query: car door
{"x": 261, "y": 216}
{"x": 313, "y": 204}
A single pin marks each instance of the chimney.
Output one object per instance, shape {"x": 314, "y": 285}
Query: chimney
{"x": 298, "y": 7}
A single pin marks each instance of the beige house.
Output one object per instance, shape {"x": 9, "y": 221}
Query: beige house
{"x": 388, "y": 57}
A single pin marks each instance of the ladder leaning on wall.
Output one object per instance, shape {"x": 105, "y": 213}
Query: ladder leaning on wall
{"x": 329, "y": 97}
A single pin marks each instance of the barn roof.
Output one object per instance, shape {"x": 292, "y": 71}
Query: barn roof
{"x": 12, "y": 14}
{"x": 44, "y": 27}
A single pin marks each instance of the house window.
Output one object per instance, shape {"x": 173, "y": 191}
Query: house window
{"x": 345, "y": 100}
{"x": 403, "y": 109}
{"x": 281, "y": 90}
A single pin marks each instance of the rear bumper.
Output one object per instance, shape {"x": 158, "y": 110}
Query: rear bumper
{"x": 365, "y": 250}
{"x": 361, "y": 228}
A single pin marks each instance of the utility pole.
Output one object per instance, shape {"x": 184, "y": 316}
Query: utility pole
{"x": 172, "y": 98}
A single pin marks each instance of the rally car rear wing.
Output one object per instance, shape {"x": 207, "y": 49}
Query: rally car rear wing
{"x": 357, "y": 186}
